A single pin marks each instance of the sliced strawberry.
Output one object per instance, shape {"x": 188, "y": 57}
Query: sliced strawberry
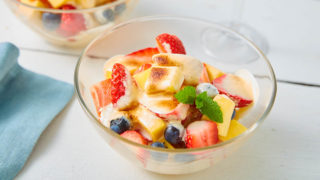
{"x": 201, "y": 134}
{"x": 168, "y": 43}
{"x": 101, "y": 94}
{"x": 134, "y": 136}
{"x": 144, "y": 54}
{"x": 204, "y": 78}
{"x": 179, "y": 113}
{"x": 71, "y": 23}
{"x": 236, "y": 88}
{"x": 143, "y": 68}
{"x": 123, "y": 90}
{"x": 164, "y": 106}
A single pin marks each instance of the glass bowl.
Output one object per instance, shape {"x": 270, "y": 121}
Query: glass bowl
{"x": 86, "y": 23}
{"x": 209, "y": 42}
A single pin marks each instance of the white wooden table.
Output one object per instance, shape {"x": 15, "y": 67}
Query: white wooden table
{"x": 287, "y": 146}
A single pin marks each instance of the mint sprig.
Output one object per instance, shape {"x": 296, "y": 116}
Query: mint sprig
{"x": 187, "y": 95}
{"x": 203, "y": 102}
{"x": 209, "y": 107}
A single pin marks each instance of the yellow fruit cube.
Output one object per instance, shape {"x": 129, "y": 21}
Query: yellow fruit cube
{"x": 87, "y": 3}
{"x": 235, "y": 130}
{"x": 227, "y": 107}
{"x": 28, "y": 12}
{"x": 213, "y": 72}
{"x": 57, "y": 3}
{"x": 142, "y": 77}
{"x": 107, "y": 74}
{"x": 154, "y": 125}
{"x": 164, "y": 79}
{"x": 35, "y": 3}
{"x": 168, "y": 145}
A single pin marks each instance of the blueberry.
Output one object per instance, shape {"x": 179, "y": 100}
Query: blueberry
{"x": 233, "y": 114}
{"x": 120, "y": 8}
{"x": 108, "y": 14}
{"x": 159, "y": 156}
{"x": 158, "y": 144}
{"x": 183, "y": 158}
{"x": 120, "y": 125}
{"x": 211, "y": 90}
{"x": 51, "y": 21}
{"x": 172, "y": 135}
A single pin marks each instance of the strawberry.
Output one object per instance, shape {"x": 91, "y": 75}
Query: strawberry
{"x": 134, "y": 136}
{"x": 144, "y": 54}
{"x": 143, "y": 68}
{"x": 193, "y": 114}
{"x": 236, "y": 88}
{"x": 201, "y": 134}
{"x": 168, "y": 43}
{"x": 204, "y": 78}
{"x": 100, "y": 93}
{"x": 71, "y": 23}
{"x": 123, "y": 90}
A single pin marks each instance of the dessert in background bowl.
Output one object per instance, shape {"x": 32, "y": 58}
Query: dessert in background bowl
{"x": 163, "y": 108}
{"x": 70, "y": 23}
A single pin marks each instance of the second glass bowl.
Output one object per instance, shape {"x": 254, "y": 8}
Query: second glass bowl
{"x": 81, "y": 26}
{"x": 210, "y": 43}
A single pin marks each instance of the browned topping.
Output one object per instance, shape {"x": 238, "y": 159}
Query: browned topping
{"x": 158, "y": 74}
{"x": 169, "y": 104}
{"x": 161, "y": 60}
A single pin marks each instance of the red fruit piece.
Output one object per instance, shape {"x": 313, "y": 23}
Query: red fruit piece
{"x": 144, "y": 55}
{"x": 201, "y": 134}
{"x": 204, "y": 78}
{"x": 71, "y": 23}
{"x": 235, "y": 88}
{"x": 179, "y": 113}
{"x": 134, "y": 136}
{"x": 168, "y": 43}
{"x": 123, "y": 93}
{"x": 193, "y": 114}
{"x": 101, "y": 94}
{"x": 143, "y": 68}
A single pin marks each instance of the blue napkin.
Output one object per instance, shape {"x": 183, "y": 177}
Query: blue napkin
{"x": 28, "y": 103}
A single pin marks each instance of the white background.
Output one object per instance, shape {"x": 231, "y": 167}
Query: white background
{"x": 287, "y": 146}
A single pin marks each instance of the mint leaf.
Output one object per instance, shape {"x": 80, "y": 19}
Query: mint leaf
{"x": 200, "y": 98}
{"x": 208, "y": 107}
{"x": 187, "y": 95}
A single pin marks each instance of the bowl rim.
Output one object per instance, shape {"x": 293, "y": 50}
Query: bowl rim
{"x": 186, "y": 150}
{"x": 86, "y": 10}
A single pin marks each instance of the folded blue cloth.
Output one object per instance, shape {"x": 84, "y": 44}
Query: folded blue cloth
{"x": 28, "y": 103}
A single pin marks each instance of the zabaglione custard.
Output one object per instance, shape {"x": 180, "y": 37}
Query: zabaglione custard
{"x": 161, "y": 97}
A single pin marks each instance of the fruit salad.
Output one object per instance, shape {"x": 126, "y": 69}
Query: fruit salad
{"x": 161, "y": 97}
{"x": 72, "y": 27}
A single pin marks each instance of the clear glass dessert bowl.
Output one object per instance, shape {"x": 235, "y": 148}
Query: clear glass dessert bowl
{"x": 211, "y": 43}
{"x": 81, "y": 26}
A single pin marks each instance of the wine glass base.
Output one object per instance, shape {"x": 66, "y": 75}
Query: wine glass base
{"x": 250, "y": 33}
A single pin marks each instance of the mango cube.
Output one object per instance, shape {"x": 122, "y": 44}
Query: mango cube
{"x": 227, "y": 107}
{"x": 235, "y": 130}
{"x": 213, "y": 72}
{"x": 57, "y": 3}
{"x": 87, "y": 3}
{"x": 107, "y": 74}
{"x": 154, "y": 125}
{"x": 164, "y": 79}
{"x": 34, "y": 3}
{"x": 142, "y": 77}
